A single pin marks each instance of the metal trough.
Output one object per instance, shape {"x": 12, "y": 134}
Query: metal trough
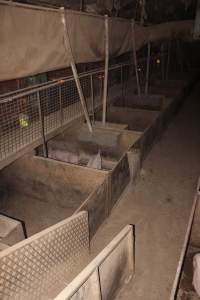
{"x": 42, "y": 192}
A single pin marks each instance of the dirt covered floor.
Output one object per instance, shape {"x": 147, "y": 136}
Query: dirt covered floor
{"x": 159, "y": 206}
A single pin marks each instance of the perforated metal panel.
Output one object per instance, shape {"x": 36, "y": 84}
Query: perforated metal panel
{"x": 106, "y": 273}
{"x": 41, "y": 266}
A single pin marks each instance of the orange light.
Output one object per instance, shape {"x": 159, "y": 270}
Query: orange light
{"x": 100, "y": 76}
{"x": 158, "y": 61}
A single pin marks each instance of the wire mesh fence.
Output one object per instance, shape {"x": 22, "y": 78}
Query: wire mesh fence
{"x": 33, "y": 114}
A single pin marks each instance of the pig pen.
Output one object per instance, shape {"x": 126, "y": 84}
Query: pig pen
{"x": 175, "y": 89}
{"x": 104, "y": 150}
{"x": 147, "y": 114}
{"x": 136, "y": 119}
{"x": 143, "y": 102}
{"x": 42, "y": 192}
{"x": 178, "y": 84}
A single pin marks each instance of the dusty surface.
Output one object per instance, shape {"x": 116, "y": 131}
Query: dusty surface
{"x": 39, "y": 215}
{"x": 159, "y": 206}
{"x": 36, "y": 214}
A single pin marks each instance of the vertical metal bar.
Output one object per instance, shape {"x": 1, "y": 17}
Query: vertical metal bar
{"x": 121, "y": 81}
{"x": 143, "y": 12}
{"x": 41, "y": 118}
{"x": 148, "y": 69}
{"x": 105, "y": 87}
{"x": 74, "y": 70}
{"x": 61, "y": 107}
{"x": 168, "y": 60}
{"x": 180, "y": 56}
{"x": 92, "y": 97}
{"x": 81, "y": 5}
{"x": 135, "y": 57}
{"x": 162, "y": 62}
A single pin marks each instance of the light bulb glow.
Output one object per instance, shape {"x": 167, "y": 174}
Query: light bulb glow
{"x": 158, "y": 61}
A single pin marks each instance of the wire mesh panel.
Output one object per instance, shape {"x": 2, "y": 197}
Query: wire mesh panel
{"x": 117, "y": 80}
{"x": 71, "y": 105}
{"x": 28, "y": 117}
{"x": 50, "y": 106}
{"x": 19, "y": 124}
{"x": 98, "y": 80}
{"x": 41, "y": 266}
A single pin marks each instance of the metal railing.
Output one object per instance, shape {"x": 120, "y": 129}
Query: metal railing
{"x": 29, "y": 116}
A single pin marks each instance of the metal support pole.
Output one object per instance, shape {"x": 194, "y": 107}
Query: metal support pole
{"x": 135, "y": 57}
{"x": 148, "y": 69}
{"x": 162, "y": 61}
{"x": 143, "y": 12}
{"x": 180, "y": 56}
{"x": 168, "y": 60}
{"x": 121, "y": 81}
{"x": 105, "y": 87}
{"x": 41, "y": 117}
{"x": 61, "y": 107}
{"x": 81, "y": 5}
{"x": 74, "y": 70}
{"x": 92, "y": 97}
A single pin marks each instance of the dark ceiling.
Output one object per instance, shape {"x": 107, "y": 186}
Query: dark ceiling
{"x": 154, "y": 11}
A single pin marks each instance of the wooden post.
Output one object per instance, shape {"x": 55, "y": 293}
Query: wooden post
{"x": 148, "y": 69}
{"x": 74, "y": 70}
{"x": 135, "y": 57}
{"x": 105, "y": 87}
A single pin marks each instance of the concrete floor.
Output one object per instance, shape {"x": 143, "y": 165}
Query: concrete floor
{"x": 159, "y": 206}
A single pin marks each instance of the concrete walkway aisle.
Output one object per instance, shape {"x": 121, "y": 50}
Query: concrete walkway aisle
{"x": 159, "y": 205}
